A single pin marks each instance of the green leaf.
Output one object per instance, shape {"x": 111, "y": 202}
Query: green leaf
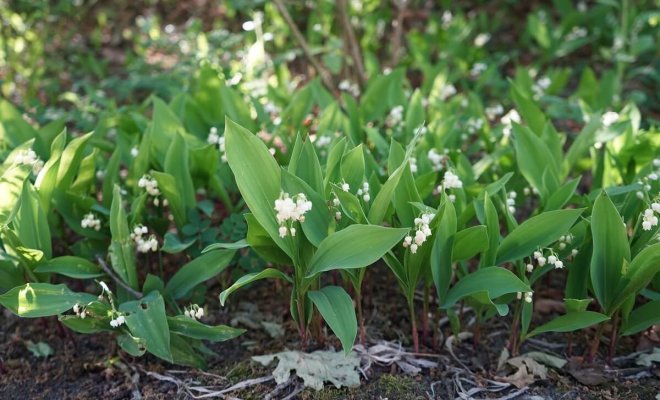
{"x": 357, "y": 246}
{"x": 538, "y": 231}
{"x": 168, "y": 186}
{"x": 336, "y": 308}
{"x": 443, "y": 247}
{"x": 638, "y": 274}
{"x": 352, "y": 168}
{"x": 191, "y": 328}
{"x": 241, "y": 244}
{"x": 385, "y": 195}
{"x": 177, "y": 165}
{"x": 122, "y": 252}
{"x": 249, "y": 278}
{"x": 71, "y": 266}
{"x": 559, "y": 198}
{"x": 146, "y": 319}
{"x": 34, "y": 300}
{"x": 173, "y": 244}
{"x": 642, "y": 318}
{"x": 132, "y": 345}
{"x": 261, "y": 242}
{"x": 493, "y": 224}
{"x": 489, "y": 283}
{"x": 197, "y": 271}
{"x": 469, "y": 242}
{"x": 30, "y": 222}
{"x": 70, "y": 160}
{"x": 610, "y": 251}
{"x": 534, "y": 159}
{"x": 257, "y": 176}
{"x": 570, "y": 322}
{"x": 529, "y": 111}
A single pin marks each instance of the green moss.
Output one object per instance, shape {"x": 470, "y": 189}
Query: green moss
{"x": 392, "y": 387}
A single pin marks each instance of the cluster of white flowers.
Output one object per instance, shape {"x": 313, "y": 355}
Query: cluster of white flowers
{"x": 477, "y": 69}
{"x": 90, "y": 221}
{"x": 79, "y": 311}
{"x": 144, "y": 245}
{"x": 541, "y": 260}
{"x": 481, "y": 39}
{"x": 436, "y": 160}
{"x": 291, "y": 210}
{"x": 564, "y": 241}
{"x": 451, "y": 181}
{"x": 337, "y": 204}
{"x": 474, "y": 125}
{"x": 447, "y": 91}
{"x": 446, "y": 18}
{"x": 29, "y": 157}
{"x": 541, "y": 86}
{"x": 493, "y": 112}
{"x": 508, "y": 119}
{"x": 151, "y": 186}
{"x": 214, "y": 138}
{"x": 413, "y": 164}
{"x": 576, "y": 33}
{"x": 364, "y": 192}
{"x": 194, "y": 311}
{"x": 650, "y": 219}
{"x": 528, "y": 296}
{"x": 322, "y": 141}
{"x": 395, "y": 116}
{"x": 609, "y": 118}
{"x": 511, "y": 201}
{"x": 422, "y": 232}
{"x": 345, "y": 186}
{"x": 117, "y": 322}
{"x": 350, "y": 87}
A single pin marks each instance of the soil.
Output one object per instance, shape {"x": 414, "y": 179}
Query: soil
{"x": 93, "y": 367}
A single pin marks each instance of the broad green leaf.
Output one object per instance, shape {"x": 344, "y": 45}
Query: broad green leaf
{"x": 241, "y": 244}
{"x": 70, "y": 160}
{"x": 469, "y": 242}
{"x": 638, "y": 274}
{"x": 172, "y": 244}
{"x": 261, "y": 242}
{"x": 71, "y": 266}
{"x": 493, "y": 224}
{"x": 642, "y": 318}
{"x": 350, "y": 205}
{"x": 529, "y": 111}
{"x": 336, "y": 308}
{"x": 177, "y": 165}
{"x": 146, "y": 319}
{"x": 257, "y": 176}
{"x": 583, "y": 142}
{"x": 132, "y": 345}
{"x": 443, "y": 247}
{"x": 307, "y": 167}
{"x": 122, "y": 254}
{"x": 356, "y": 246}
{"x": 570, "y": 322}
{"x": 189, "y": 327}
{"x": 352, "y": 168}
{"x": 185, "y": 351}
{"x": 11, "y": 186}
{"x": 534, "y": 159}
{"x": 197, "y": 271}
{"x": 42, "y": 299}
{"x": 576, "y": 305}
{"x": 611, "y": 251}
{"x": 30, "y": 222}
{"x": 489, "y": 282}
{"x": 249, "y": 278}
{"x": 168, "y": 186}
{"x": 538, "y": 231}
{"x": 563, "y": 194}
{"x": 383, "y": 199}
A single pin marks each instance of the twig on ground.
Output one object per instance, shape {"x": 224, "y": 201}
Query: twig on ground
{"x": 351, "y": 41}
{"x": 322, "y": 71}
{"x": 119, "y": 281}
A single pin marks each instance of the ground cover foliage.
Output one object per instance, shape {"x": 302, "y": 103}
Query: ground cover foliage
{"x": 494, "y": 166}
